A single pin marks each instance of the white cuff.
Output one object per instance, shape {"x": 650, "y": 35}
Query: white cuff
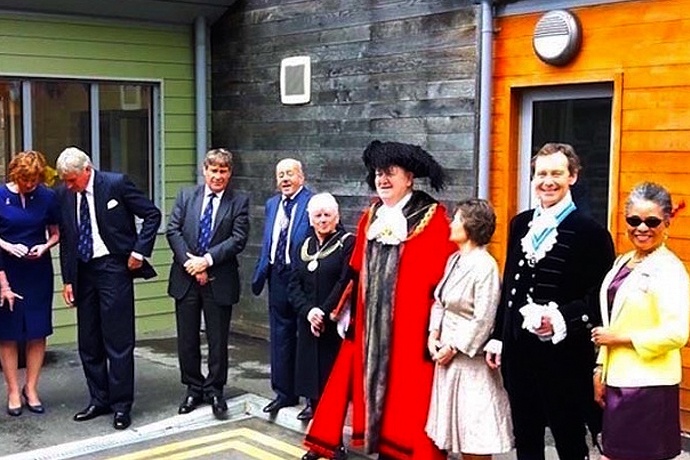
{"x": 209, "y": 259}
{"x": 560, "y": 331}
{"x": 313, "y": 312}
{"x": 494, "y": 346}
{"x": 137, "y": 256}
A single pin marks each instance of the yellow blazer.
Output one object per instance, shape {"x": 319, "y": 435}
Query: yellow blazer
{"x": 652, "y": 307}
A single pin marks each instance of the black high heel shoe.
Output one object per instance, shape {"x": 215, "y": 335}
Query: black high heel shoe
{"x": 14, "y": 412}
{"x": 37, "y": 409}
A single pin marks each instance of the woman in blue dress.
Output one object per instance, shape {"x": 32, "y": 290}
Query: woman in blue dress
{"x": 28, "y": 229}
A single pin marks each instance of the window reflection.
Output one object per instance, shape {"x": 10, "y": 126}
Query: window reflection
{"x": 125, "y": 131}
{"x": 10, "y": 121}
{"x": 60, "y": 117}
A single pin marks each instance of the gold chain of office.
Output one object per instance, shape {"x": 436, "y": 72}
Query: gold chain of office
{"x": 325, "y": 251}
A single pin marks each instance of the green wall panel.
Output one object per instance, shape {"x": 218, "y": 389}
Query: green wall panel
{"x": 39, "y": 46}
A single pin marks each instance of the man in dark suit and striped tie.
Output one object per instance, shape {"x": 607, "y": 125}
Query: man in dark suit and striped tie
{"x": 207, "y": 229}
{"x": 100, "y": 254}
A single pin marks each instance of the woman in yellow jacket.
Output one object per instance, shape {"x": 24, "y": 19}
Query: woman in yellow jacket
{"x": 645, "y": 308}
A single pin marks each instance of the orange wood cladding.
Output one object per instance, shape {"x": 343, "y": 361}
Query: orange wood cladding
{"x": 641, "y": 47}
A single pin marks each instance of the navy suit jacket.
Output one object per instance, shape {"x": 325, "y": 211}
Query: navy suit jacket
{"x": 300, "y": 227}
{"x": 117, "y": 201}
{"x": 228, "y": 239}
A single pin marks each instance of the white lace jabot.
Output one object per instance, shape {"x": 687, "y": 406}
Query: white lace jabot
{"x": 543, "y": 232}
{"x": 390, "y": 224}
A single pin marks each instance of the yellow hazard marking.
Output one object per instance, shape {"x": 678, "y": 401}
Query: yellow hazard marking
{"x": 180, "y": 450}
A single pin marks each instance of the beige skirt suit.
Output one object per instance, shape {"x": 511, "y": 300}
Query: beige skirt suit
{"x": 469, "y": 409}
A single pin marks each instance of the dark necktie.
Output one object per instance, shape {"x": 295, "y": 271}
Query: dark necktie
{"x": 281, "y": 246}
{"x": 85, "y": 244}
{"x": 205, "y": 226}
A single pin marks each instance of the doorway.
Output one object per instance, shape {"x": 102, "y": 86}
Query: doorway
{"x": 577, "y": 115}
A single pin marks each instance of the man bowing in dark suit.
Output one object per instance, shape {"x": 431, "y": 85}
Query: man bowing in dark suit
{"x": 208, "y": 228}
{"x": 285, "y": 227}
{"x": 100, "y": 254}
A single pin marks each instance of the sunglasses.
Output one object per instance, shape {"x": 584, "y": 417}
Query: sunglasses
{"x": 650, "y": 222}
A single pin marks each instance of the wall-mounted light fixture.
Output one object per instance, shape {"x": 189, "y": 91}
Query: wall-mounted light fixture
{"x": 295, "y": 80}
{"x": 557, "y": 37}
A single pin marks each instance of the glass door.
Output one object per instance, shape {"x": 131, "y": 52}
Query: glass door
{"x": 577, "y": 115}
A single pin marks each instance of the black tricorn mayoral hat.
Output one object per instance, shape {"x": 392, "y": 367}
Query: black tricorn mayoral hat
{"x": 412, "y": 158}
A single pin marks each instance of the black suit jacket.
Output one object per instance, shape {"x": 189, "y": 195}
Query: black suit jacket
{"x": 117, "y": 201}
{"x": 570, "y": 275}
{"x": 229, "y": 237}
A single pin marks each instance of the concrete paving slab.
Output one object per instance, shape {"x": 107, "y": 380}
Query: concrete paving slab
{"x": 154, "y": 415}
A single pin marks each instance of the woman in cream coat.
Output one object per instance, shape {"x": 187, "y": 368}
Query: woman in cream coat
{"x": 469, "y": 411}
{"x": 645, "y": 305}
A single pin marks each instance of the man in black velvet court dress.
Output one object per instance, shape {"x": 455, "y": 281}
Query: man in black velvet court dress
{"x": 556, "y": 259}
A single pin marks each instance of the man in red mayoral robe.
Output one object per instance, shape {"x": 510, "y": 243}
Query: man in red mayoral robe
{"x": 383, "y": 367}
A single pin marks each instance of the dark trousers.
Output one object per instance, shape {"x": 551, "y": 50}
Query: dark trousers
{"x": 105, "y": 328}
{"x": 188, "y": 310}
{"x": 542, "y": 400}
{"x": 283, "y": 334}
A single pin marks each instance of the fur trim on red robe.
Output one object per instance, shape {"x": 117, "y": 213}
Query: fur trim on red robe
{"x": 410, "y": 371}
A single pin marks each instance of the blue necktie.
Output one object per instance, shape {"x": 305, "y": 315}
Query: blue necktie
{"x": 85, "y": 244}
{"x": 205, "y": 226}
{"x": 281, "y": 246}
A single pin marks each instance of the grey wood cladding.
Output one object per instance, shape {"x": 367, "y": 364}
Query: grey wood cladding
{"x": 402, "y": 70}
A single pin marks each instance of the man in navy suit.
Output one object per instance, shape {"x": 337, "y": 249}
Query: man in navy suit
{"x": 286, "y": 226}
{"x": 100, "y": 254}
{"x": 208, "y": 228}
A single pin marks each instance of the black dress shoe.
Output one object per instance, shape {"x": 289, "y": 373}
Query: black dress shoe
{"x": 305, "y": 414}
{"x": 121, "y": 420}
{"x": 189, "y": 404}
{"x": 340, "y": 454}
{"x": 91, "y": 412}
{"x": 276, "y": 405}
{"x": 14, "y": 411}
{"x": 220, "y": 407}
{"x": 36, "y": 409}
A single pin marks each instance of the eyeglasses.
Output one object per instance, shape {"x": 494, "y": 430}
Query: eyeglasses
{"x": 650, "y": 222}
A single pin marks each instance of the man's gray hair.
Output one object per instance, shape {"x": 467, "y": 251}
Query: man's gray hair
{"x": 218, "y": 157}
{"x": 291, "y": 162}
{"x": 72, "y": 159}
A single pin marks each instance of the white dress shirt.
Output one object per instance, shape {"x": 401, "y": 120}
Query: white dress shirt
{"x": 99, "y": 247}
{"x": 281, "y": 217}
